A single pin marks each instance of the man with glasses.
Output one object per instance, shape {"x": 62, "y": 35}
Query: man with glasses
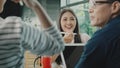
{"x": 103, "y": 49}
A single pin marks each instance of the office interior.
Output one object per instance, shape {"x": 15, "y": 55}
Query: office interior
{"x": 53, "y": 8}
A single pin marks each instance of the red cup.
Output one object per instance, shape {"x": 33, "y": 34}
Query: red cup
{"x": 46, "y": 62}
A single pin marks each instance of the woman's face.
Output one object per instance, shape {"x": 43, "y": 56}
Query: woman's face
{"x": 68, "y": 22}
{"x": 2, "y": 2}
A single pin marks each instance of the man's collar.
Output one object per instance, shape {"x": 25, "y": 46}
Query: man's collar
{"x": 113, "y": 21}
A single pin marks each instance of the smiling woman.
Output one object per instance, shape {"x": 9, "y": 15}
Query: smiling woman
{"x": 68, "y": 24}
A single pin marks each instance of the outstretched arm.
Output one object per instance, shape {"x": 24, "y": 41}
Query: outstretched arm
{"x": 47, "y": 42}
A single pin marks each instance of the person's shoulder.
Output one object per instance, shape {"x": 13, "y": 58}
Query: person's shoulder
{"x": 12, "y": 22}
{"x": 13, "y": 19}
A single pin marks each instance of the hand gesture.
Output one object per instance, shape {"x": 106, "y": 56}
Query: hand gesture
{"x": 68, "y": 37}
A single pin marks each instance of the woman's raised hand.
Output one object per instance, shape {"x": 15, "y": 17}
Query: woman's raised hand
{"x": 68, "y": 37}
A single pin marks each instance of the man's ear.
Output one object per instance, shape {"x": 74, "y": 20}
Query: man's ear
{"x": 116, "y": 7}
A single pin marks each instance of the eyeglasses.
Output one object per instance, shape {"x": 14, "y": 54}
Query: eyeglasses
{"x": 93, "y": 3}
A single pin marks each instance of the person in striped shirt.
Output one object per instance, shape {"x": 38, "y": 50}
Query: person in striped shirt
{"x": 16, "y": 37}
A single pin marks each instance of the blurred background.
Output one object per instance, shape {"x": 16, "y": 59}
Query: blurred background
{"x": 53, "y": 8}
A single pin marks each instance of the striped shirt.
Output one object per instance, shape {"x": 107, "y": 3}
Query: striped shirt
{"x": 16, "y": 37}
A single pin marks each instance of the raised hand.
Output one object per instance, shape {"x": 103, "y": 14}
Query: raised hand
{"x": 68, "y": 37}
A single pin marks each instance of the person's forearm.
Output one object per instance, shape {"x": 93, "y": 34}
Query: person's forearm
{"x": 54, "y": 57}
{"x": 42, "y": 15}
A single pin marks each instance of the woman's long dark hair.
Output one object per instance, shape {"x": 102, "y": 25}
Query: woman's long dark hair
{"x": 76, "y": 30}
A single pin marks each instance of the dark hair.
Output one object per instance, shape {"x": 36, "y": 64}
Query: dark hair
{"x": 76, "y": 30}
{"x": 113, "y": 0}
{"x": 11, "y": 9}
